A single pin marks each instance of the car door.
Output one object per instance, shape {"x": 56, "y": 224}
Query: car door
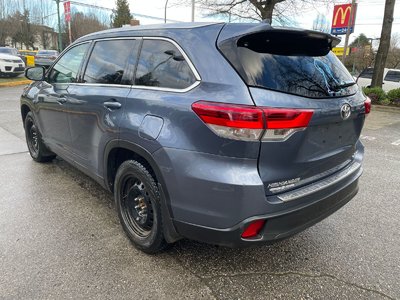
{"x": 391, "y": 80}
{"x": 52, "y": 100}
{"x": 95, "y": 104}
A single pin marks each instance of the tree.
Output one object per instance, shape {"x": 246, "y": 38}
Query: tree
{"x": 82, "y": 24}
{"x": 258, "y": 10}
{"x": 384, "y": 44}
{"x": 360, "y": 41}
{"x": 18, "y": 27}
{"x": 122, "y": 14}
{"x": 393, "y": 59}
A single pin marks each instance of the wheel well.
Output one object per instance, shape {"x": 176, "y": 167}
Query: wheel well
{"x": 24, "y": 111}
{"x": 117, "y": 156}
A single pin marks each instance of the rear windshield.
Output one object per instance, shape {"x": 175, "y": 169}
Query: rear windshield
{"x": 300, "y": 66}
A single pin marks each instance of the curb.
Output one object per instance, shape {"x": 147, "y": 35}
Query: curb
{"x": 386, "y": 108}
{"x": 15, "y": 83}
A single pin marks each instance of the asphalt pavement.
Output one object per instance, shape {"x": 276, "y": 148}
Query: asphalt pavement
{"x": 60, "y": 237}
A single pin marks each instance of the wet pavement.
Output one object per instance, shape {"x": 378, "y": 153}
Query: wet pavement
{"x": 60, "y": 237}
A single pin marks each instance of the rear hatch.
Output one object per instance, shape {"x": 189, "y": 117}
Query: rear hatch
{"x": 314, "y": 110}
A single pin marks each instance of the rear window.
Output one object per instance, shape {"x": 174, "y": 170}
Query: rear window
{"x": 393, "y": 76}
{"x": 291, "y": 63}
{"x": 162, "y": 65}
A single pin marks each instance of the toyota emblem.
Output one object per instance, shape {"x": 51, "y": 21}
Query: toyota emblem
{"x": 345, "y": 111}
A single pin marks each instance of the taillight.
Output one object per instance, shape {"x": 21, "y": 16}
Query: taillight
{"x": 253, "y": 229}
{"x": 283, "y": 122}
{"x": 367, "y": 105}
{"x": 250, "y": 123}
{"x": 238, "y": 122}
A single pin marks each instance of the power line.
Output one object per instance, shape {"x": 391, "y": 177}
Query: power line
{"x": 111, "y": 10}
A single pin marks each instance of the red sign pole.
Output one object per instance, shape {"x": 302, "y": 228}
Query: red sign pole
{"x": 67, "y": 13}
{"x": 350, "y": 23}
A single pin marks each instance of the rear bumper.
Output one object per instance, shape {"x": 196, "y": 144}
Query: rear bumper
{"x": 213, "y": 198}
{"x": 277, "y": 226}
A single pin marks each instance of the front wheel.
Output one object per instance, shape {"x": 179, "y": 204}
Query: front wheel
{"x": 138, "y": 204}
{"x": 37, "y": 149}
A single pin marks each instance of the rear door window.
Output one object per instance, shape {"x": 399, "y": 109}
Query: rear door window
{"x": 290, "y": 63}
{"x": 392, "y": 76}
{"x": 161, "y": 64}
{"x": 109, "y": 61}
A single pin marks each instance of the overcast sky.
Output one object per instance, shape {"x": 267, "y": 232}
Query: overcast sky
{"x": 368, "y": 20}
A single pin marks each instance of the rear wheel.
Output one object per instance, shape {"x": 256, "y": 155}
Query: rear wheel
{"x": 138, "y": 204}
{"x": 37, "y": 149}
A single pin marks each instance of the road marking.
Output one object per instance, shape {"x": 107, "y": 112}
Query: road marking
{"x": 367, "y": 137}
{"x": 396, "y": 143}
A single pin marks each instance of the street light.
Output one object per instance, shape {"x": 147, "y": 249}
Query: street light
{"x": 165, "y": 12}
{"x": 59, "y": 26}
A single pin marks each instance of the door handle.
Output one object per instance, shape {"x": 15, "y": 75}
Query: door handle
{"x": 112, "y": 104}
{"x": 61, "y": 100}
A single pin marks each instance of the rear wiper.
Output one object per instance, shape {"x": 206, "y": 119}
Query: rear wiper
{"x": 343, "y": 85}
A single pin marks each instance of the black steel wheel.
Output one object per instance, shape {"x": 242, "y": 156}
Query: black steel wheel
{"x": 37, "y": 149}
{"x": 138, "y": 204}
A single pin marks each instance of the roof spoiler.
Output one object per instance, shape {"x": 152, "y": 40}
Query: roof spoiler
{"x": 232, "y": 31}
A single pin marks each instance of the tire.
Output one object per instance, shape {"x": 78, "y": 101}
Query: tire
{"x": 37, "y": 149}
{"x": 138, "y": 204}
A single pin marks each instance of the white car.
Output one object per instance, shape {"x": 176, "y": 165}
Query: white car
{"x": 391, "y": 78}
{"x": 11, "y": 65}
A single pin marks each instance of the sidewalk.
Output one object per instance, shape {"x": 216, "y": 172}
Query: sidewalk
{"x": 15, "y": 81}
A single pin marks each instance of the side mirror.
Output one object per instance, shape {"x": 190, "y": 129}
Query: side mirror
{"x": 35, "y": 73}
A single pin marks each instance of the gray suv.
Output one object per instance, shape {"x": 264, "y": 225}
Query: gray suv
{"x": 230, "y": 134}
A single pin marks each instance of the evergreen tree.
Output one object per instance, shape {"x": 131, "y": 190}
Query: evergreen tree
{"x": 122, "y": 14}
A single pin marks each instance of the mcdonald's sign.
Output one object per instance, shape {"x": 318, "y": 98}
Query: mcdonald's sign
{"x": 341, "y": 19}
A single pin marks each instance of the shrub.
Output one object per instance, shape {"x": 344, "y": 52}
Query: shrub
{"x": 385, "y": 101}
{"x": 394, "y": 96}
{"x": 376, "y": 94}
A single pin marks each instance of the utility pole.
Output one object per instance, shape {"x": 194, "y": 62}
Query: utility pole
{"x": 193, "y": 10}
{"x": 346, "y": 41}
{"x": 59, "y": 26}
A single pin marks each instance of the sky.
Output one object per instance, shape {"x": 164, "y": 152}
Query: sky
{"x": 368, "y": 20}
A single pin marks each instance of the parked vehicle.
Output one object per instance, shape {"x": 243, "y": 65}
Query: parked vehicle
{"x": 10, "y": 64}
{"x": 230, "y": 134}
{"x": 28, "y": 57}
{"x": 391, "y": 78}
{"x": 45, "y": 58}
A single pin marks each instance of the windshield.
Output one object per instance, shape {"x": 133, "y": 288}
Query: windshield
{"x": 6, "y": 50}
{"x": 291, "y": 64}
{"x": 47, "y": 52}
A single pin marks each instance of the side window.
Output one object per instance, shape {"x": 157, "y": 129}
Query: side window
{"x": 108, "y": 61}
{"x": 367, "y": 73}
{"x": 67, "y": 67}
{"x": 393, "y": 76}
{"x": 162, "y": 65}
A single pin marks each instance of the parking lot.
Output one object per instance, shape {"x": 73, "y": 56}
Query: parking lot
{"x": 60, "y": 237}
